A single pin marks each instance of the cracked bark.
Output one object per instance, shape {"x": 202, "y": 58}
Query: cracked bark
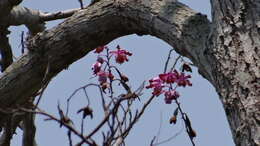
{"x": 225, "y": 51}
{"x": 235, "y": 48}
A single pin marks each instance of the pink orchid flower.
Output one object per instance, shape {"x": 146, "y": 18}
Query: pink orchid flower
{"x": 121, "y": 55}
{"x": 157, "y": 84}
{"x": 96, "y": 67}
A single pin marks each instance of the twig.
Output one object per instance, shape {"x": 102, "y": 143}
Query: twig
{"x": 69, "y": 137}
{"x": 81, "y": 4}
{"x": 138, "y": 116}
{"x": 176, "y": 61}
{"x": 167, "y": 61}
{"x": 67, "y": 125}
{"x": 103, "y": 121}
{"x": 160, "y": 127}
{"x": 44, "y": 84}
{"x": 22, "y": 42}
{"x": 83, "y": 88}
{"x": 183, "y": 118}
{"x": 170, "y": 138}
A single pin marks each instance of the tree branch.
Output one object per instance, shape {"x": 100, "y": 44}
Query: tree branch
{"x": 98, "y": 25}
{"x": 29, "y": 130}
{"x": 57, "y": 15}
{"x": 32, "y": 19}
{"x": 7, "y": 5}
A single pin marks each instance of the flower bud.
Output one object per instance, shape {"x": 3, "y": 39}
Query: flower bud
{"x": 173, "y": 119}
{"x": 124, "y": 78}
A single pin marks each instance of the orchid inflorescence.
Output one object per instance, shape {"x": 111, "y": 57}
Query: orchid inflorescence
{"x": 165, "y": 83}
{"x": 106, "y": 73}
{"x": 168, "y": 80}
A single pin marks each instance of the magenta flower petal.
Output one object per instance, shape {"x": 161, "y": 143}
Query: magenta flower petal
{"x": 120, "y": 55}
{"x": 102, "y": 76}
{"x": 183, "y": 80}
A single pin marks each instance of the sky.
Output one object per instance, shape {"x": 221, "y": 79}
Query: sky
{"x": 200, "y": 101}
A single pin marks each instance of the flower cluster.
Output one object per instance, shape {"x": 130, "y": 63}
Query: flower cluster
{"x": 121, "y": 55}
{"x": 167, "y": 80}
{"x": 106, "y": 73}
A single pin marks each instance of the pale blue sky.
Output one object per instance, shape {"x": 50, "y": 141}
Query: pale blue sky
{"x": 149, "y": 54}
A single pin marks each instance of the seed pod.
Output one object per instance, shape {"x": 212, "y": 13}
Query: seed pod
{"x": 124, "y": 78}
{"x": 192, "y": 133}
{"x": 87, "y": 111}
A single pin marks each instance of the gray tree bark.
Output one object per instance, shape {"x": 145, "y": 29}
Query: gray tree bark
{"x": 234, "y": 45}
{"x": 226, "y": 50}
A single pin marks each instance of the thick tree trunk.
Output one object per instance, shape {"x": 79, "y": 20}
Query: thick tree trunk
{"x": 225, "y": 51}
{"x": 235, "y": 45}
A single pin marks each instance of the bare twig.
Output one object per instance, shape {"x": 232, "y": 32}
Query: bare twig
{"x": 41, "y": 94}
{"x": 67, "y": 125}
{"x": 81, "y": 4}
{"x": 170, "y": 138}
{"x": 103, "y": 121}
{"x": 69, "y": 137}
{"x": 184, "y": 119}
{"x": 22, "y": 42}
{"x": 138, "y": 115}
{"x": 167, "y": 61}
{"x": 160, "y": 127}
{"x": 176, "y": 61}
{"x": 44, "y": 84}
{"x": 83, "y": 88}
